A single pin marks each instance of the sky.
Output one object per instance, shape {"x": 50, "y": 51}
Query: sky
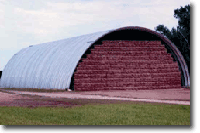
{"x": 30, "y": 22}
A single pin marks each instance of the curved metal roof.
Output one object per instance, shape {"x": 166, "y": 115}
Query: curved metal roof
{"x": 51, "y": 65}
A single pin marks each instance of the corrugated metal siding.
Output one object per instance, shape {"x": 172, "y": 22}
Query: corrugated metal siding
{"x": 48, "y": 65}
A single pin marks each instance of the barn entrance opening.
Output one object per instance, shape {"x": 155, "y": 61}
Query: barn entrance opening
{"x": 126, "y": 59}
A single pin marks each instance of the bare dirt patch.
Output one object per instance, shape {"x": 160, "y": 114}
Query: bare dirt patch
{"x": 8, "y": 98}
{"x": 161, "y": 94}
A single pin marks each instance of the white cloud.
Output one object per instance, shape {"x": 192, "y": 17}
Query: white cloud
{"x": 56, "y": 20}
{"x": 25, "y": 23}
{"x": 38, "y": 22}
{"x": 2, "y": 14}
{"x": 55, "y": 16}
{"x": 52, "y": 18}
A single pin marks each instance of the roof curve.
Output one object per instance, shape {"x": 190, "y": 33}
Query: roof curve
{"x": 52, "y": 64}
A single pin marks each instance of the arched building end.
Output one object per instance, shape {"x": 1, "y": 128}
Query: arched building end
{"x": 141, "y": 34}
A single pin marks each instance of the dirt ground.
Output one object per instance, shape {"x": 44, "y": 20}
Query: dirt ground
{"x": 33, "y": 99}
{"x": 162, "y": 94}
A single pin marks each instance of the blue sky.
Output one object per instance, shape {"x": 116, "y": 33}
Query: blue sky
{"x": 30, "y": 22}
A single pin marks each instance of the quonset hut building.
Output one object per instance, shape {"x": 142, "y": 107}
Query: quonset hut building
{"x": 124, "y": 58}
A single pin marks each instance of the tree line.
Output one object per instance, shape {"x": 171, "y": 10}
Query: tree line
{"x": 179, "y": 35}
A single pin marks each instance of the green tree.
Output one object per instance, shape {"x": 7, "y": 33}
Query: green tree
{"x": 183, "y": 16}
{"x": 180, "y": 35}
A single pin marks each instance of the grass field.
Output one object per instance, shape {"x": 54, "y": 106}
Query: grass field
{"x": 103, "y": 114}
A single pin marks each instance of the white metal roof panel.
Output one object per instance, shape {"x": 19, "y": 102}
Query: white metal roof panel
{"x": 47, "y": 65}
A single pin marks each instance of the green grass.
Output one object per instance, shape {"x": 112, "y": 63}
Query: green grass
{"x": 105, "y": 114}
